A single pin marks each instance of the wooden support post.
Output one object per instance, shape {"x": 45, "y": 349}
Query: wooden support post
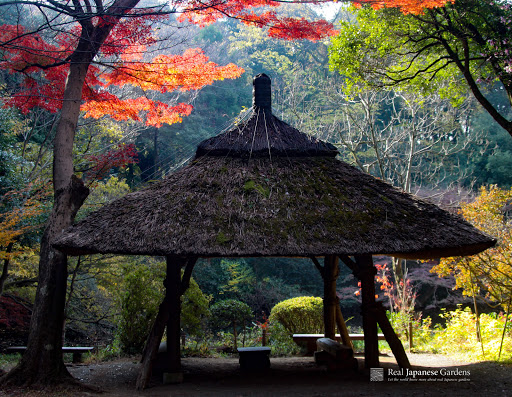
{"x": 394, "y": 342}
{"x": 151, "y": 348}
{"x": 331, "y": 271}
{"x": 162, "y": 319}
{"x": 342, "y": 327}
{"x": 173, "y": 373}
{"x": 366, "y": 273}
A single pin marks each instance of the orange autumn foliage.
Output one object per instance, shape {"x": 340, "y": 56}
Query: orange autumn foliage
{"x": 406, "y": 6}
{"x": 205, "y": 12}
{"x": 20, "y": 219}
{"x": 44, "y": 63}
{"x": 165, "y": 73}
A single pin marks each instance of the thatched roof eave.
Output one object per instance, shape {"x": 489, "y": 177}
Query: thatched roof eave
{"x": 273, "y": 207}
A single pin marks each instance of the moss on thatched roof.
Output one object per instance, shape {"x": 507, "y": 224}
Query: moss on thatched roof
{"x": 266, "y": 189}
{"x": 222, "y": 207}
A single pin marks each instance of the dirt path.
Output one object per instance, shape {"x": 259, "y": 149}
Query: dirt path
{"x": 297, "y": 377}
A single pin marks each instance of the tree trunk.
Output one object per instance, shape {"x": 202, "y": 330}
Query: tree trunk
{"x": 152, "y": 345}
{"x": 42, "y": 361}
{"x": 235, "y": 335}
{"x": 366, "y": 273}
{"x": 5, "y": 269}
{"x": 398, "y": 269}
{"x": 243, "y": 333}
{"x": 330, "y": 272}
{"x": 70, "y": 295}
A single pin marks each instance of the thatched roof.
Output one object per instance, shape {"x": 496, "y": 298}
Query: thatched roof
{"x": 270, "y": 137}
{"x": 264, "y": 135}
{"x": 229, "y": 203}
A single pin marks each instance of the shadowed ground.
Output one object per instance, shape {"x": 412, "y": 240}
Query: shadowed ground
{"x": 295, "y": 376}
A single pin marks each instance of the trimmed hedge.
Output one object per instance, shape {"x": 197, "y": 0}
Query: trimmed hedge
{"x": 301, "y": 315}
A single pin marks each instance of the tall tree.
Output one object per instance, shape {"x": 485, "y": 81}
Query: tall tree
{"x": 464, "y": 45}
{"x": 409, "y": 140}
{"x": 406, "y": 138}
{"x": 87, "y": 33}
{"x": 101, "y": 28}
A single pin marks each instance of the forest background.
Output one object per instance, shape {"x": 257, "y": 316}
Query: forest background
{"x": 429, "y": 144}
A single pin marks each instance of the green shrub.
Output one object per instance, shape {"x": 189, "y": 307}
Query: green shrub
{"x": 422, "y": 332}
{"x": 231, "y": 313}
{"x": 8, "y": 361}
{"x": 459, "y": 336}
{"x": 194, "y": 310}
{"x": 226, "y": 312}
{"x": 301, "y": 315}
{"x": 109, "y": 352}
{"x": 281, "y": 341}
{"x": 197, "y": 349}
{"x": 138, "y": 299}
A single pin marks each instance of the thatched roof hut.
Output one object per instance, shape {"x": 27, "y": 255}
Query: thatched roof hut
{"x": 266, "y": 189}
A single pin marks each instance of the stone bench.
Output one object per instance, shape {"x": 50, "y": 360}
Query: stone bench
{"x": 77, "y": 351}
{"x": 309, "y": 340}
{"x": 254, "y": 358}
{"x": 335, "y": 355}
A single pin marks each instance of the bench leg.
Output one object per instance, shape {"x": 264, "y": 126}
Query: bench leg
{"x": 311, "y": 346}
{"x": 77, "y": 358}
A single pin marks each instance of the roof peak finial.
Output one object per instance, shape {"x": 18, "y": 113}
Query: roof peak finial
{"x": 262, "y": 92}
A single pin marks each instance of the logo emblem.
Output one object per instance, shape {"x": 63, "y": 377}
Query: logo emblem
{"x": 376, "y": 374}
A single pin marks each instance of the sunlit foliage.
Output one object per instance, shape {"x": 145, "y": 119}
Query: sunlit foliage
{"x": 489, "y": 273}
